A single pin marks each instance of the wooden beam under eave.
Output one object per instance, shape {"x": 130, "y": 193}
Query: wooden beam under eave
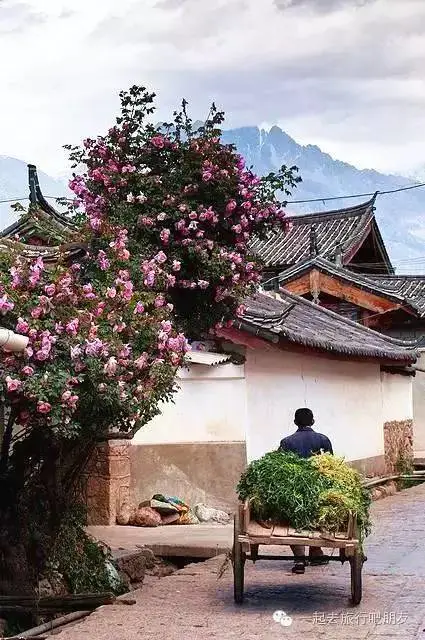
{"x": 315, "y": 278}
{"x": 357, "y": 296}
{"x": 321, "y": 282}
{"x": 299, "y": 287}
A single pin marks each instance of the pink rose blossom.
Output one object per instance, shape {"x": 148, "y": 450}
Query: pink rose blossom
{"x": 36, "y": 312}
{"x": 103, "y": 261}
{"x": 175, "y": 359}
{"x": 22, "y": 326}
{"x": 75, "y": 352}
{"x": 125, "y": 351}
{"x": 160, "y": 257}
{"x": 166, "y": 326}
{"x": 150, "y": 279}
{"x": 44, "y": 407}
{"x": 139, "y": 308}
{"x": 165, "y": 235}
{"x": 95, "y": 223}
{"x": 159, "y": 301}
{"x": 127, "y": 293}
{"x": 13, "y": 384}
{"x": 158, "y": 141}
{"x": 94, "y": 347}
{"x": 110, "y": 367}
{"x": 88, "y": 292}
{"x": 176, "y": 265}
{"x": 50, "y": 289}
{"x": 145, "y": 221}
{"x": 5, "y": 305}
{"x": 27, "y": 370}
{"x": 231, "y": 206}
{"x": 72, "y": 327}
{"x": 141, "y": 361}
{"x": 111, "y": 292}
{"x": 119, "y": 327}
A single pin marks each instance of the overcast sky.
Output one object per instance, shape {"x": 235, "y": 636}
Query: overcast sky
{"x": 348, "y": 75}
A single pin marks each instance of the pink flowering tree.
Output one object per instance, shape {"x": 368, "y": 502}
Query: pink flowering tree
{"x": 187, "y": 206}
{"x": 166, "y": 215}
{"x": 102, "y": 354}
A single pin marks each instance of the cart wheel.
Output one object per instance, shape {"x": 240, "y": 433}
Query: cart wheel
{"x": 356, "y": 564}
{"x": 238, "y": 564}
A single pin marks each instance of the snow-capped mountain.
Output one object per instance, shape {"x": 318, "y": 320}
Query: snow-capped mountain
{"x": 401, "y": 215}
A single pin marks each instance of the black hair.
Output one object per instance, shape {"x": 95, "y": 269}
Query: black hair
{"x": 304, "y": 417}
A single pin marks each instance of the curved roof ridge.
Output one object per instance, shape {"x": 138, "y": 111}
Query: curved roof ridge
{"x": 358, "y": 209}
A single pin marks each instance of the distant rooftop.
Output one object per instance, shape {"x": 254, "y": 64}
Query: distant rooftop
{"x": 343, "y": 230}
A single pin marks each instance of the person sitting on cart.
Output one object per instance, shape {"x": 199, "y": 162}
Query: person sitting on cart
{"x": 306, "y": 442}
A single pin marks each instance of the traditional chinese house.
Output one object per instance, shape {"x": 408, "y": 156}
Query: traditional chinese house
{"x": 338, "y": 260}
{"x": 311, "y": 344}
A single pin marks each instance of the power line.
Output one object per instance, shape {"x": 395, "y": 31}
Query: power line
{"x": 14, "y": 200}
{"x": 357, "y": 195}
{"x": 47, "y": 197}
{"x": 326, "y": 199}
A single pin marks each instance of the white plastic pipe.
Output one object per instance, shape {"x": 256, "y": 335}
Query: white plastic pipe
{"x": 10, "y": 341}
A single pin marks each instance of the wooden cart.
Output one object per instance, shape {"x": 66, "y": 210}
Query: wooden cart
{"x": 249, "y": 535}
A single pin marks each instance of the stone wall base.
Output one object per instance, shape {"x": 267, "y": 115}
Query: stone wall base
{"x": 373, "y": 467}
{"x": 195, "y": 472}
{"x": 107, "y": 482}
{"x": 398, "y": 445}
{"x": 384, "y": 490}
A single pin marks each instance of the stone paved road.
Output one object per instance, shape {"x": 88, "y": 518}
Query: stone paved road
{"x": 193, "y": 603}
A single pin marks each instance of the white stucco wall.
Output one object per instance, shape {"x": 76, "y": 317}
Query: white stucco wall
{"x": 419, "y": 407}
{"x": 210, "y": 406}
{"x": 256, "y": 402}
{"x": 397, "y": 397}
{"x": 345, "y": 397}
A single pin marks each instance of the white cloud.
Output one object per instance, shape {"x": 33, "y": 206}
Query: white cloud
{"x": 348, "y": 76}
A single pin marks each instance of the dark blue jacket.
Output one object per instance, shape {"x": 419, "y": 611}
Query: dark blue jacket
{"x": 306, "y": 442}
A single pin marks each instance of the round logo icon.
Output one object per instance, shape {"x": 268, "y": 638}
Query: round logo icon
{"x": 282, "y": 618}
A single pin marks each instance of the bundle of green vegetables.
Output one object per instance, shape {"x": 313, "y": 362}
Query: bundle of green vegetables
{"x": 308, "y": 493}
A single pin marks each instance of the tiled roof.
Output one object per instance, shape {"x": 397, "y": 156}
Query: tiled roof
{"x": 411, "y": 288}
{"x": 296, "y": 320}
{"x": 343, "y": 228}
{"x": 41, "y": 217}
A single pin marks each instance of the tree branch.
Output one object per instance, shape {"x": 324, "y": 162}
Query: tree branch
{"x": 6, "y": 440}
